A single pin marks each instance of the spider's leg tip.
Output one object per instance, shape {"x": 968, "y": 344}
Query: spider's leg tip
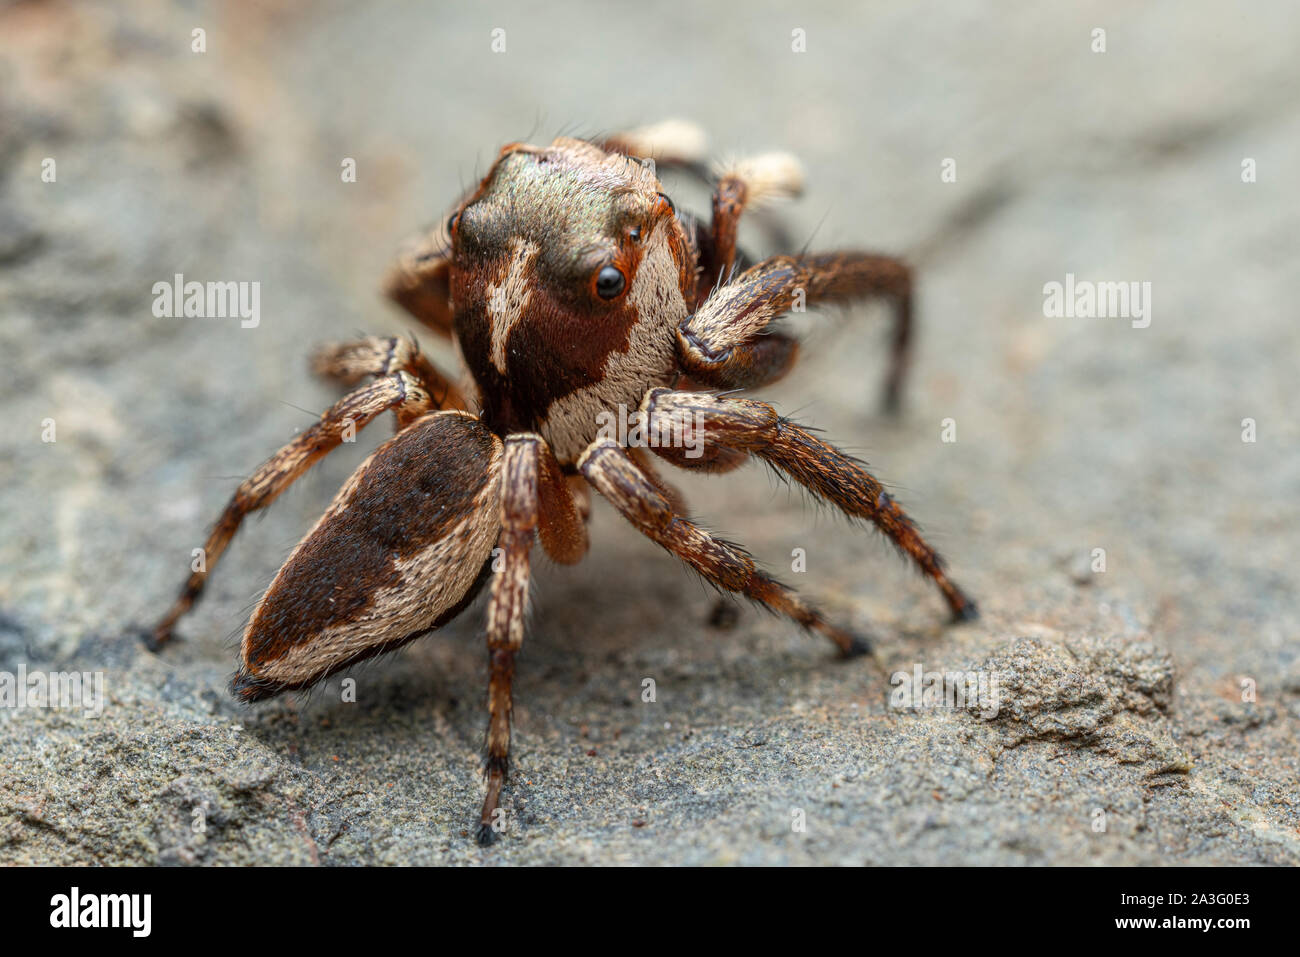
{"x": 154, "y": 639}
{"x": 856, "y": 648}
{"x": 724, "y": 615}
{"x": 485, "y": 836}
{"x": 969, "y": 611}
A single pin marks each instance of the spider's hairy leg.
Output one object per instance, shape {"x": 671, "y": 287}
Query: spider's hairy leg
{"x": 521, "y": 478}
{"x": 613, "y": 473}
{"x": 724, "y": 609}
{"x": 669, "y": 491}
{"x": 727, "y": 343}
{"x": 562, "y": 521}
{"x": 580, "y": 492}
{"x": 744, "y": 184}
{"x": 400, "y": 392}
{"x": 402, "y": 549}
{"x": 755, "y": 427}
{"x": 420, "y": 281}
{"x": 350, "y": 362}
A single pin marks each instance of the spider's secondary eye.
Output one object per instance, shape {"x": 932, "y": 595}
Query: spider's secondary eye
{"x": 609, "y": 282}
{"x": 452, "y": 222}
{"x": 671, "y": 208}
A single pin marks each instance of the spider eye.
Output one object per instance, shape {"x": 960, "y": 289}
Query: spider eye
{"x": 609, "y": 282}
{"x": 671, "y": 208}
{"x": 452, "y": 222}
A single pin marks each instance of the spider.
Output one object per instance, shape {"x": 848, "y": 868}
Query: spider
{"x": 572, "y": 287}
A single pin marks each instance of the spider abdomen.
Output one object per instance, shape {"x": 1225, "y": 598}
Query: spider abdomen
{"x": 398, "y": 552}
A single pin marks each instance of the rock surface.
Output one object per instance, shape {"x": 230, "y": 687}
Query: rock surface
{"x": 1146, "y": 714}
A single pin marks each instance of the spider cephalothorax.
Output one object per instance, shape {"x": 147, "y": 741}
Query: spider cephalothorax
{"x": 575, "y": 292}
{"x": 570, "y": 275}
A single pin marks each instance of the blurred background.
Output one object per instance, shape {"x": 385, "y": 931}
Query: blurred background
{"x": 1164, "y": 150}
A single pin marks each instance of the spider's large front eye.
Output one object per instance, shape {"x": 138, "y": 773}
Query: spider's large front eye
{"x": 609, "y": 282}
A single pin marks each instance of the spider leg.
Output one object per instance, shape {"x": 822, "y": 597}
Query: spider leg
{"x": 746, "y": 184}
{"x": 609, "y": 467}
{"x": 580, "y": 491}
{"x": 725, "y": 461}
{"x": 350, "y": 362}
{"x": 562, "y": 516}
{"x": 755, "y": 427}
{"x": 420, "y": 281}
{"x": 727, "y": 342}
{"x": 400, "y": 392}
{"x": 521, "y": 478}
{"x": 724, "y": 608}
{"x": 669, "y": 491}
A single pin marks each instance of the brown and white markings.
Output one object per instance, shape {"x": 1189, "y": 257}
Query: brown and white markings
{"x": 575, "y": 291}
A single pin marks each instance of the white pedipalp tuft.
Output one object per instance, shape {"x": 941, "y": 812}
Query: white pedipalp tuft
{"x": 768, "y": 177}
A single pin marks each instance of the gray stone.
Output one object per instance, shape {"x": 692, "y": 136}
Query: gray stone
{"x": 1147, "y": 713}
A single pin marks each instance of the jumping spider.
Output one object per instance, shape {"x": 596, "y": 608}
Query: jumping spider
{"x": 572, "y": 287}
